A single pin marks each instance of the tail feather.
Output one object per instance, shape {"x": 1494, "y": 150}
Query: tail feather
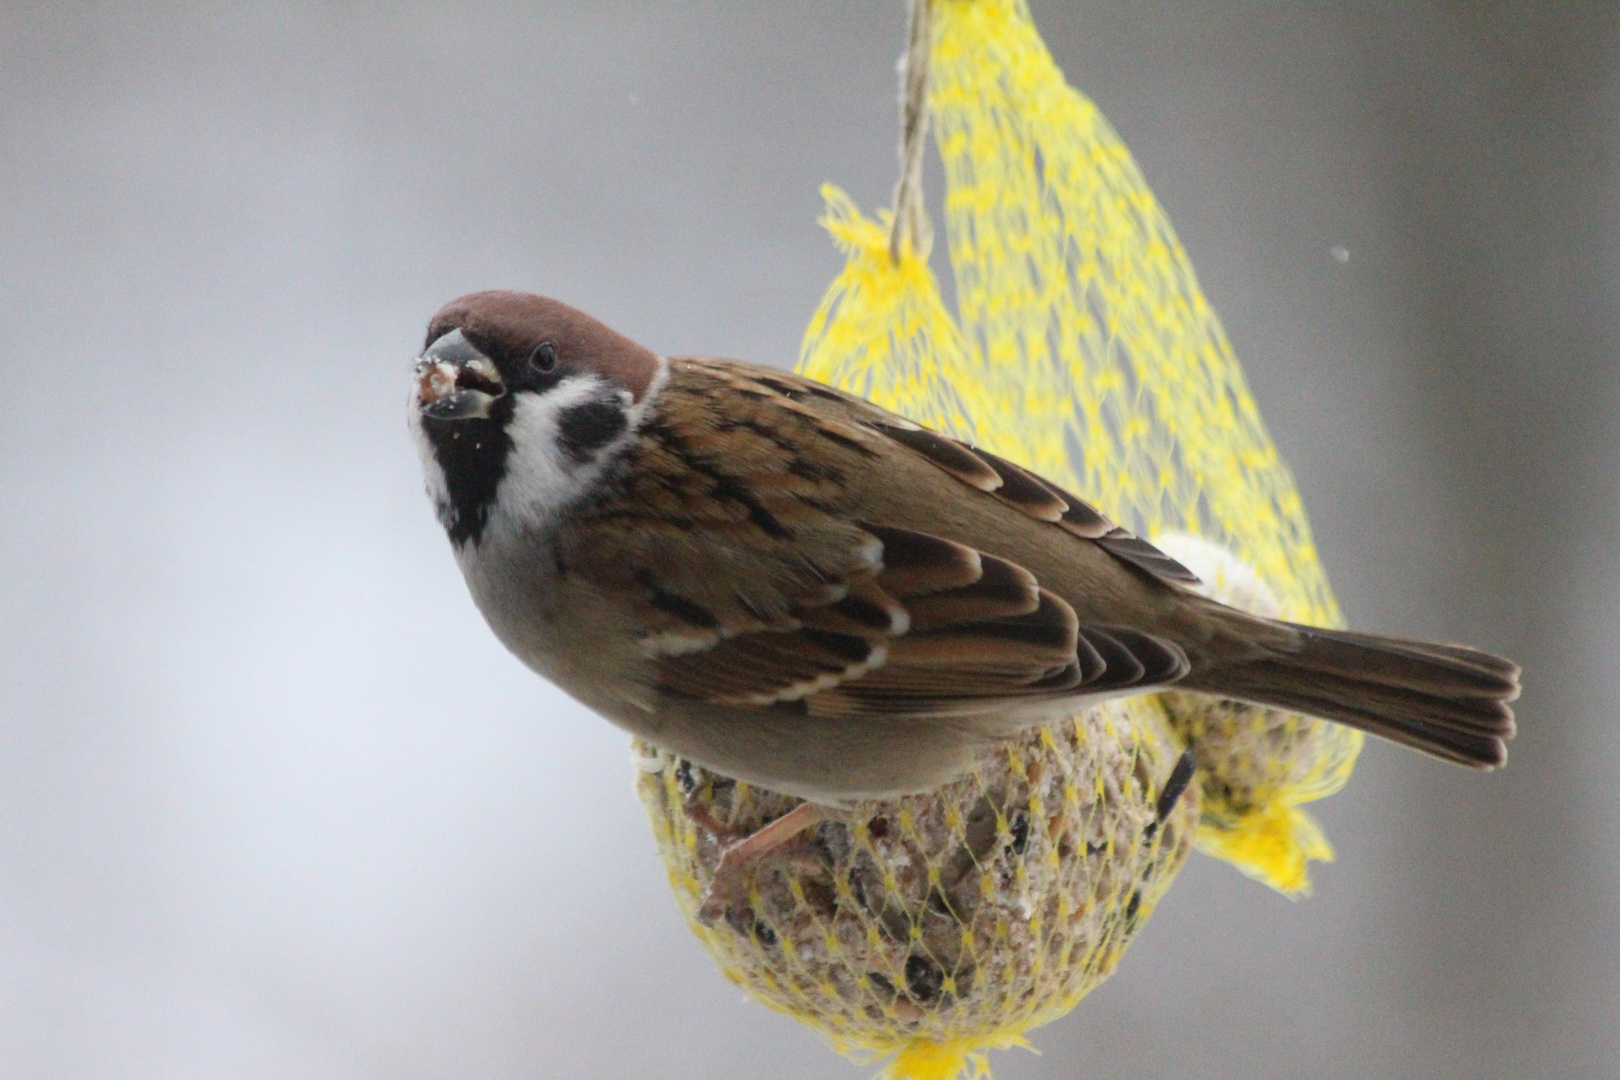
{"x": 1463, "y": 654}
{"x": 1386, "y": 662}
{"x": 1446, "y": 700}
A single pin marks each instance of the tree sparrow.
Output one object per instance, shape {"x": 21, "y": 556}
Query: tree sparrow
{"x": 796, "y": 588}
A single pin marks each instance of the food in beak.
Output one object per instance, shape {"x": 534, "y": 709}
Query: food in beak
{"x": 434, "y": 381}
{"x": 452, "y": 391}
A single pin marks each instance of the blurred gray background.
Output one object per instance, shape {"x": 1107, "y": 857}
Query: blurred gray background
{"x": 274, "y": 803}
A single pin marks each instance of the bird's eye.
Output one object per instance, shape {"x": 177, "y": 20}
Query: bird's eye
{"x": 545, "y": 357}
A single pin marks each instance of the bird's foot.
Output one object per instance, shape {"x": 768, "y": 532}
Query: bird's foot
{"x": 728, "y": 888}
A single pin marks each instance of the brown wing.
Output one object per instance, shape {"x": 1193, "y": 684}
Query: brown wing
{"x": 1012, "y": 484}
{"x": 749, "y": 584}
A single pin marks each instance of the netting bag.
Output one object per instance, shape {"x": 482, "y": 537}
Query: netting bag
{"x": 935, "y": 926}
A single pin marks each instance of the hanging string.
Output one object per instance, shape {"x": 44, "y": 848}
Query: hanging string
{"x": 910, "y": 215}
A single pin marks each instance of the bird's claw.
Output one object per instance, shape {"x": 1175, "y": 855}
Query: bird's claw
{"x": 728, "y": 889}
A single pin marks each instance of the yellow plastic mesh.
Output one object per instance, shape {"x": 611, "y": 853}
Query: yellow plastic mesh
{"x": 937, "y": 926}
{"x": 1256, "y": 765}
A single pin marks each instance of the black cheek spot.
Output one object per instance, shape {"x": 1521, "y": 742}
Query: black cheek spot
{"x": 584, "y": 429}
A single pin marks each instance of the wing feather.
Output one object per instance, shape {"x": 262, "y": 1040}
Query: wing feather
{"x": 749, "y": 584}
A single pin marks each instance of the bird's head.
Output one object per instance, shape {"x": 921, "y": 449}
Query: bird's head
{"x": 518, "y": 402}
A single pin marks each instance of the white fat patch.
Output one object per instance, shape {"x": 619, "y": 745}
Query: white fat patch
{"x": 1223, "y": 575}
{"x": 542, "y": 480}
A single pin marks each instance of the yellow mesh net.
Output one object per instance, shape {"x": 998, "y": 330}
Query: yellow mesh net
{"x": 937, "y": 926}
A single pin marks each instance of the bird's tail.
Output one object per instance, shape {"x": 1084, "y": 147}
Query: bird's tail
{"x": 1446, "y": 700}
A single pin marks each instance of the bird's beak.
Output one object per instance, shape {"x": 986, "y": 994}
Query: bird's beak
{"x": 454, "y": 381}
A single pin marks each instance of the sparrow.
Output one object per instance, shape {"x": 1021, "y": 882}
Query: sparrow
{"x": 791, "y": 586}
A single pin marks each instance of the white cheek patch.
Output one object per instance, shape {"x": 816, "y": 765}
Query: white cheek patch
{"x": 542, "y": 479}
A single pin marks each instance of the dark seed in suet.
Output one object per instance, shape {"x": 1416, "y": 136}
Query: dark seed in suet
{"x": 1020, "y": 834}
{"x": 924, "y": 979}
